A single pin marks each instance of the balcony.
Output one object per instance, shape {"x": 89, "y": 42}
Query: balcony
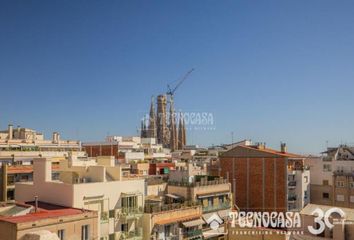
{"x": 128, "y": 213}
{"x": 343, "y": 173}
{"x": 169, "y": 207}
{"x": 327, "y": 158}
{"x": 199, "y": 184}
{"x": 193, "y": 234}
{"x": 104, "y": 217}
{"x": 292, "y": 199}
{"x": 220, "y": 206}
{"x": 292, "y": 184}
{"x": 136, "y": 235}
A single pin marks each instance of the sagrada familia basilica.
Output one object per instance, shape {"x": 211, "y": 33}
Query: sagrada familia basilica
{"x": 163, "y": 126}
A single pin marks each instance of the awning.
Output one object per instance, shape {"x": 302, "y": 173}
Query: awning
{"x": 206, "y": 216}
{"x": 172, "y": 196}
{"x": 176, "y": 220}
{"x": 193, "y": 223}
{"x": 131, "y": 194}
{"x": 224, "y": 213}
{"x": 214, "y": 233}
{"x": 93, "y": 197}
{"x": 212, "y": 194}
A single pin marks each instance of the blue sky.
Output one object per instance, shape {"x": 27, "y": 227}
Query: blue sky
{"x": 269, "y": 71}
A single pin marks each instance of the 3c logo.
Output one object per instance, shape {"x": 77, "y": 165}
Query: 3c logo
{"x": 322, "y": 219}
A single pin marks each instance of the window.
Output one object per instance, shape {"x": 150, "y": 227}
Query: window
{"x": 325, "y": 195}
{"x": 221, "y": 199}
{"x": 61, "y": 234}
{"x": 124, "y": 227}
{"x": 351, "y": 184}
{"x": 340, "y": 184}
{"x": 111, "y": 213}
{"x": 340, "y": 168}
{"x": 327, "y": 167}
{"x": 352, "y": 199}
{"x": 210, "y": 201}
{"x": 85, "y": 232}
{"x": 325, "y": 182}
{"x": 306, "y": 179}
{"x": 340, "y": 198}
{"x": 130, "y": 202}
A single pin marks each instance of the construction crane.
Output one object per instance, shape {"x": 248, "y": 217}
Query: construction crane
{"x": 172, "y": 91}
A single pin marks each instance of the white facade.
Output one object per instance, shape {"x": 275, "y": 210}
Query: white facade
{"x": 298, "y": 189}
{"x": 104, "y": 190}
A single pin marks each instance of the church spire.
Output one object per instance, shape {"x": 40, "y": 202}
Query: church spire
{"x": 184, "y": 137}
{"x": 180, "y": 132}
{"x": 152, "y": 121}
{"x": 172, "y": 127}
{"x": 143, "y": 129}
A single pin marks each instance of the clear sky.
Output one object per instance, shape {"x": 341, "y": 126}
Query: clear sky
{"x": 268, "y": 71}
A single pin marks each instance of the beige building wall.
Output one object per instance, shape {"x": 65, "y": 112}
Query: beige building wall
{"x": 70, "y": 224}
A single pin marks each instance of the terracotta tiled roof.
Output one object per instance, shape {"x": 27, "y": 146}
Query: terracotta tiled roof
{"x": 44, "y": 211}
{"x": 25, "y": 169}
{"x": 263, "y": 150}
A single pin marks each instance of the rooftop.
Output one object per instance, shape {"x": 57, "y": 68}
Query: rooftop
{"x": 260, "y": 150}
{"x": 310, "y": 208}
{"x": 45, "y": 210}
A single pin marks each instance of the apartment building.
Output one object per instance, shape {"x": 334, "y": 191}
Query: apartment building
{"x": 172, "y": 221}
{"x": 213, "y": 194}
{"x": 95, "y": 184}
{"x": 264, "y": 179}
{"x": 161, "y": 168}
{"x": 343, "y": 228}
{"x": 332, "y": 177}
{"x": 140, "y": 168}
{"x": 11, "y": 174}
{"x": 40, "y": 220}
{"x": 19, "y": 146}
{"x": 128, "y": 149}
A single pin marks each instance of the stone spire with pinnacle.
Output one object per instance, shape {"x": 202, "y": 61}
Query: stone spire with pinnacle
{"x": 180, "y": 132}
{"x": 152, "y": 121}
{"x": 184, "y": 137}
{"x": 143, "y": 129}
{"x": 172, "y": 127}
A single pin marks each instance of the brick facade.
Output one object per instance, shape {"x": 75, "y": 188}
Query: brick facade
{"x": 258, "y": 179}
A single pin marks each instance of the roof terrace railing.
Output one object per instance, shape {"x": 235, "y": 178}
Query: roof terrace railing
{"x": 170, "y": 207}
{"x": 198, "y": 184}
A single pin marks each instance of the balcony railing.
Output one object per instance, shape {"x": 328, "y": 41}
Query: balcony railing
{"x": 220, "y": 206}
{"x": 104, "y": 217}
{"x": 137, "y": 234}
{"x": 343, "y": 173}
{"x": 198, "y": 184}
{"x": 292, "y": 184}
{"x": 292, "y": 198}
{"x": 129, "y": 212}
{"x": 169, "y": 207}
{"x": 193, "y": 233}
{"x": 327, "y": 158}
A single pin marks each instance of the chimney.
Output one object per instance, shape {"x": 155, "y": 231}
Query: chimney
{"x": 54, "y": 138}
{"x": 283, "y": 148}
{"x": 10, "y": 131}
{"x": 35, "y": 204}
{"x": 260, "y": 146}
{"x": 42, "y": 170}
